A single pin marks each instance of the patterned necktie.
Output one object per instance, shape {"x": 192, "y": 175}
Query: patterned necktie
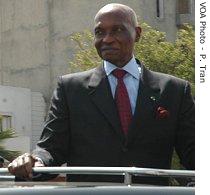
{"x": 122, "y": 100}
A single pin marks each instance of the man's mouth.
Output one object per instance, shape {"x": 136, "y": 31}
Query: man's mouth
{"x": 108, "y": 49}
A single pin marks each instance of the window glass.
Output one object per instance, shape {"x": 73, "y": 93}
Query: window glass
{"x": 183, "y": 6}
{"x": 1, "y": 129}
{"x": 5, "y": 122}
{"x": 160, "y": 8}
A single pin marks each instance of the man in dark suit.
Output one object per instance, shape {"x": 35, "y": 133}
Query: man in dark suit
{"x": 118, "y": 114}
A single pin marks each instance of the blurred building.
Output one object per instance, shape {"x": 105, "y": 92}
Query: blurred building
{"x": 35, "y": 48}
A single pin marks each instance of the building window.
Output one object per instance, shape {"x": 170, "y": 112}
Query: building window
{"x": 5, "y": 122}
{"x": 183, "y": 6}
{"x": 160, "y": 8}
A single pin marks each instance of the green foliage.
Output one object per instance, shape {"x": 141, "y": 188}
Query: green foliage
{"x": 86, "y": 56}
{"x": 7, "y": 154}
{"x": 175, "y": 58}
{"x": 171, "y": 58}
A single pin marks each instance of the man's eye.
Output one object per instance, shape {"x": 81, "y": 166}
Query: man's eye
{"x": 98, "y": 32}
{"x": 119, "y": 29}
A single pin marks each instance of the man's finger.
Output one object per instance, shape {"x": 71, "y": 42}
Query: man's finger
{"x": 20, "y": 169}
{"x": 29, "y": 163}
{"x": 11, "y": 168}
{"x": 22, "y": 166}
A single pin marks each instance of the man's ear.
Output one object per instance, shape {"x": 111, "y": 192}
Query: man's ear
{"x": 138, "y": 33}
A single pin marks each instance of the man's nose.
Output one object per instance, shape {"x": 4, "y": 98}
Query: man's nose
{"x": 108, "y": 38}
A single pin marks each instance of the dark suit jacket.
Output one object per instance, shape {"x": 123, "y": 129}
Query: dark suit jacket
{"x": 83, "y": 127}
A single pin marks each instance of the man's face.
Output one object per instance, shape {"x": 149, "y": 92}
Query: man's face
{"x": 115, "y": 37}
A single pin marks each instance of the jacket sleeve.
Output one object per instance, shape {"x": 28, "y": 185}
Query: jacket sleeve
{"x": 185, "y": 135}
{"x": 53, "y": 145}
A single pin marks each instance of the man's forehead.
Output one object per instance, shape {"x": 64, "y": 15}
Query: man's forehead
{"x": 111, "y": 16}
{"x": 110, "y": 22}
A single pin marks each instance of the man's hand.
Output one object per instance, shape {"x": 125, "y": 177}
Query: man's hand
{"x": 22, "y": 166}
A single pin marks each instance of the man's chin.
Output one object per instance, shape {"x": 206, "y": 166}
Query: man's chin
{"x": 110, "y": 60}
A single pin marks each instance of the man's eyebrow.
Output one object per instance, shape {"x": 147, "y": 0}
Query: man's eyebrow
{"x": 100, "y": 26}
{"x": 97, "y": 28}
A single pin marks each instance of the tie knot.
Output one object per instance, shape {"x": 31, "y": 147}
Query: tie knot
{"x": 119, "y": 73}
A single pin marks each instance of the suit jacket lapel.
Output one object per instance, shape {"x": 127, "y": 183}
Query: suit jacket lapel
{"x": 100, "y": 93}
{"x": 145, "y": 106}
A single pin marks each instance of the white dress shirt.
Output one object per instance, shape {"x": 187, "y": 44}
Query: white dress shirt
{"x": 131, "y": 79}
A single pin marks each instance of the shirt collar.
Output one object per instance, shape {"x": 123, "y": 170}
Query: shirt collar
{"x": 131, "y": 67}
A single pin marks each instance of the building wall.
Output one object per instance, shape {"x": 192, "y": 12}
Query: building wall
{"x": 24, "y": 45}
{"x": 38, "y": 113}
{"x": 27, "y": 111}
